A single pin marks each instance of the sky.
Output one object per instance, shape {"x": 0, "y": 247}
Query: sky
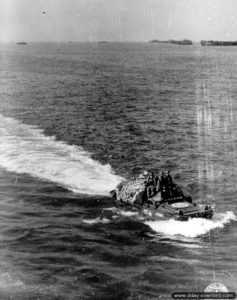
{"x": 117, "y": 20}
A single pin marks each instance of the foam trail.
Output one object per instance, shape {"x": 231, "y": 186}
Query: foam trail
{"x": 192, "y": 228}
{"x": 97, "y": 221}
{"x": 121, "y": 212}
{"x": 7, "y": 281}
{"x": 25, "y": 149}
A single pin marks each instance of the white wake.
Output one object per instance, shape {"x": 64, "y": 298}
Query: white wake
{"x": 25, "y": 149}
{"x": 193, "y": 227}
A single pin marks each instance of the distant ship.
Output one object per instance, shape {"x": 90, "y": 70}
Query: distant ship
{"x": 157, "y": 41}
{"x": 22, "y": 43}
{"x": 218, "y": 43}
{"x": 177, "y": 42}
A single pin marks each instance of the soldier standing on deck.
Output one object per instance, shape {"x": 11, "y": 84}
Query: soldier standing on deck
{"x": 168, "y": 183}
{"x": 169, "y": 179}
{"x": 162, "y": 185}
{"x": 150, "y": 186}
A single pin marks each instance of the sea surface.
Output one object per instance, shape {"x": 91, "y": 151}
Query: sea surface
{"x": 77, "y": 118}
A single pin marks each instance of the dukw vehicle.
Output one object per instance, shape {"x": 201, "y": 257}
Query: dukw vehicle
{"x": 162, "y": 195}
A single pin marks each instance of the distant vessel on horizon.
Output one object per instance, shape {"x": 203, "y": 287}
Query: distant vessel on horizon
{"x": 177, "y": 42}
{"x": 218, "y": 43}
{"x": 22, "y": 43}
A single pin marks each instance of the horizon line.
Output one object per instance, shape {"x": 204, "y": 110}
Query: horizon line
{"x": 106, "y": 41}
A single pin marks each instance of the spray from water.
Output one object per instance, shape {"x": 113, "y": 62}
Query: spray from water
{"x": 192, "y": 228}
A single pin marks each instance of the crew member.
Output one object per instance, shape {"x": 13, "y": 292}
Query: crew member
{"x": 169, "y": 179}
{"x": 157, "y": 183}
{"x": 169, "y": 183}
{"x": 162, "y": 187}
{"x": 150, "y": 186}
{"x": 162, "y": 180}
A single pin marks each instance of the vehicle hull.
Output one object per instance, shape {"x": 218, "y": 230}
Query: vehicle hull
{"x": 173, "y": 204}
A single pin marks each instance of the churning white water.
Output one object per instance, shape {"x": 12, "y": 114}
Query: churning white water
{"x": 25, "y": 149}
{"x": 193, "y": 227}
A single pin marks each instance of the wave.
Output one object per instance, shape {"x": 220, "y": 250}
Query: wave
{"x": 193, "y": 227}
{"x": 97, "y": 221}
{"x": 25, "y": 149}
{"x": 10, "y": 281}
{"x": 121, "y": 212}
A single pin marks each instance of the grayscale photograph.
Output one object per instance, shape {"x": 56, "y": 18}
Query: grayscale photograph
{"x": 118, "y": 149}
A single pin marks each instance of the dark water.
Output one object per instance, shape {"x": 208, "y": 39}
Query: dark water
{"x": 75, "y": 119}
